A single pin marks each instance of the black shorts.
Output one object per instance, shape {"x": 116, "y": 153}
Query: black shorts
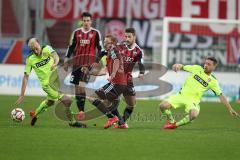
{"x": 129, "y": 91}
{"x": 110, "y": 91}
{"x": 77, "y": 76}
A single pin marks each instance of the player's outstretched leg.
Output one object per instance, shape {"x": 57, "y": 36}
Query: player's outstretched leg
{"x": 165, "y": 109}
{"x": 42, "y": 108}
{"x": 105, "y": 107}
{"x": 193, "y": 114}
{"x": 67, "y": 103}
{"x": 80, "y": 95}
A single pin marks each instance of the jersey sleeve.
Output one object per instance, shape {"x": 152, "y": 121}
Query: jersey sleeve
{"x": 192, "y": 68}
{"x": 72, "y": 46}
{"x": 28, "y": 67}
{"x": 216, "y": 88}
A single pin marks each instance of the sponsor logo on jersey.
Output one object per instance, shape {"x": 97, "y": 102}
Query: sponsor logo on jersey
{"x": 84, "y": 41}
{"x": 43, "y": 62}
{"x": 200, "y": 80}
{"x": 128, "y": 59}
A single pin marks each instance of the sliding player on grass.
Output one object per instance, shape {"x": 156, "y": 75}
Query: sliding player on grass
{"x": 44, "y": 61}
{"x": 200, "y": 80}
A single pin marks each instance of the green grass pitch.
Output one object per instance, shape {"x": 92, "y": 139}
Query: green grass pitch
{"x": 214, "y": 135}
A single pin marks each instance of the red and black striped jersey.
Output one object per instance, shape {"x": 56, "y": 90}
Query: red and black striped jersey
{"x": 131, "y": 56}
{"x": 120, "y": 77}
{"x": 84, "y": 47}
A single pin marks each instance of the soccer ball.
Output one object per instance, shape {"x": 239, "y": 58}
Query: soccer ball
{"x": 17, "y": 115}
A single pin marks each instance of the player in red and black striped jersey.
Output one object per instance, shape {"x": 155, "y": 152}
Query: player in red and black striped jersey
{"x": 85, "y": 45}
{"x": 132, "y": 54}
{"x": 109, "y": 95}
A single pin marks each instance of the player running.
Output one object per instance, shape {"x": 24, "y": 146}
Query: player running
{"x": 85, "y": 43}
{"x": 200, "y": 81}
{"x": 44, "y": 61}
{"x": 109, "y": 95}
{"x": 132, "y": 54}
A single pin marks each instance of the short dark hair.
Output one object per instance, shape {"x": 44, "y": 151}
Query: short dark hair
{"x": 86, "y": 14}
{"x": 213, "y": 59}
{"x": 130, "y": 30}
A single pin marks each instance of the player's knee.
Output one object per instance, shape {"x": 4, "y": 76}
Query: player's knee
{"x": 131, "y": 104}
{"x": 164, "y": 105}
{"x": 193, "y": 114}
{"x": 67, "y": 101}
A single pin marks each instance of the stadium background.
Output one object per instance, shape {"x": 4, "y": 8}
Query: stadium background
{"x": 214, "y": 135}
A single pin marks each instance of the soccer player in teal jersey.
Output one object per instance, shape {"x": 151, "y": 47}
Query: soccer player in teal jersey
{"x": 200, "y": 81}
{"x": 44, "y": 61}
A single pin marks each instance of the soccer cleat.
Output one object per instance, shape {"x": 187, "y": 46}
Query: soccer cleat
{"x": 81, "y": 116}
{"x": 32, "y": 114}
{"x": 123, "y": 126}
{"x": 110, "y": 122}
{"x": 77, "y": 125}
{"x": 34, "y": 119}
{"x": 169, "y": 125}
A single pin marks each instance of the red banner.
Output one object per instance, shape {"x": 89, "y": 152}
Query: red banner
{"x": 72, "y": 9}
{"x": 142, "y": 9}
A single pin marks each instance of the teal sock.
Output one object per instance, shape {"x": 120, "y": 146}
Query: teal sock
{"x": 169, "y": 115}
{"x": 183, "y": 121}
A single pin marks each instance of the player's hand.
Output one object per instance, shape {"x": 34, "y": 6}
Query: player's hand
{"x": 85, "y": 70}
{"x": 140, "y": 76}
{"x": 233, "y": 112}
{"x": 177, "y": 67}
{"x": 65, "y": 66}
{"x": 19, "y": 100}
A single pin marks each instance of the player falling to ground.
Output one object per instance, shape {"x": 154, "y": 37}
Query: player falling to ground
{"x": 85, "y": 43}
{"x": 44, "y": 61}
{"x": 109, "y": 95}
{"x": 200, "y": 80}
{"x": 132, "y": 54}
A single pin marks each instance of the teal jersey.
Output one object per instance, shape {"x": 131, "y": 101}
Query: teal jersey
{"x": 41, "y": 64}
{"x": 198, "y": 83}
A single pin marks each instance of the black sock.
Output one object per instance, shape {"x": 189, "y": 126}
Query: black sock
{"x": 116, "y": 113}
{"x": 81, "y": 98}
{"x": 101, "y": 107}
{"x": 127, "y": 113}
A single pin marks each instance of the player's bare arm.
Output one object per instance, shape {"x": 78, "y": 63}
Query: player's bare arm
{"x": 56, "y": 60}
{"x": 141, "y": 70}
{"x": 229, "y": 107}
{"x": 23, "y": 89}
{"x": 177, "y": 67}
